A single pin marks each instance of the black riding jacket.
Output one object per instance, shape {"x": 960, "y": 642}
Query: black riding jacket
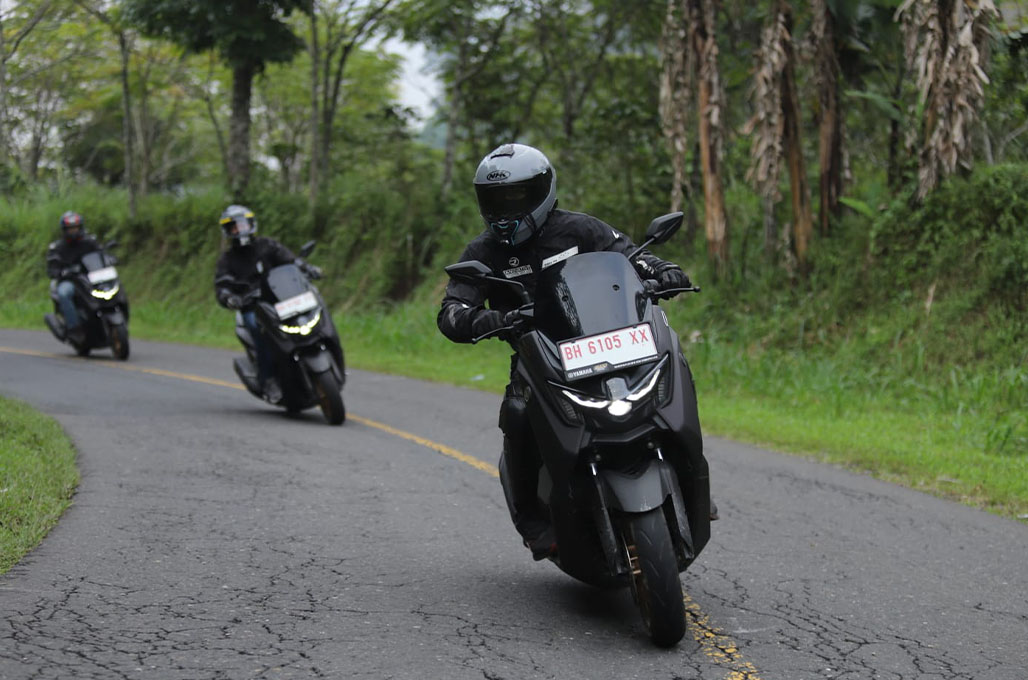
{"x": 62, "y": 253}
{"x": 239, "y": 268}
{"x": 564, "y": 234}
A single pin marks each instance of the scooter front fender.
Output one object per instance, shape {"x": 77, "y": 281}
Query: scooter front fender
{"x": 634, "y": 492}
{"x": 114, "y": 317}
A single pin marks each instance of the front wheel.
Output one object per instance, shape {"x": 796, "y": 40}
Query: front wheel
{"x": 330, "y": 398}
{"x": 655, "y": 583}
{"x": 118, "y": 335}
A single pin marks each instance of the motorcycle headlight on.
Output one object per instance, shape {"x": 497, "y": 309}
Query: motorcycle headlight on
{"x": 303, "y": 328}
{"x": 105, "y": 294}
{"x": 619, "y": 399}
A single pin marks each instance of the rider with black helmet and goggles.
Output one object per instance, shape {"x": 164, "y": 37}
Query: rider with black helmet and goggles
{"x": 525, "y": 233}
{"x": 62, "y": 262}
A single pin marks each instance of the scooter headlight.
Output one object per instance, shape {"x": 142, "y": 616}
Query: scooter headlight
{"x": 302, "y": 329}
{"x": 105, "y": 294}
{"x": 621, "y": 399}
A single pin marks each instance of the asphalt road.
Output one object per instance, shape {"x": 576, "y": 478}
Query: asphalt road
{"x": 215, "y": 537}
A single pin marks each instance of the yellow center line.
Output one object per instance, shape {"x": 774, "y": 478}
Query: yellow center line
{"x": 435, "y": 446}
{"x": 712, "y": 641}
{"x": 717, "y": 645}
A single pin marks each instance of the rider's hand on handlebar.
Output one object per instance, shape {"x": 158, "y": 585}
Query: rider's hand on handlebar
{"x": 313, "y": 271}
{"x": 512, "y": 322}
{"x": 234, "y": 302}
{"x": 673, "y": 277}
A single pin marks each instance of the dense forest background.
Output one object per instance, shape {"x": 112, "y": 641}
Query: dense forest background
{"x": 853, "y": 171}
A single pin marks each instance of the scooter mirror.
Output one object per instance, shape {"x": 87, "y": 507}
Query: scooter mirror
{"x": 306, "y": 248}
{"x": 469, "y": 270}
{"x": 664, "y": 227}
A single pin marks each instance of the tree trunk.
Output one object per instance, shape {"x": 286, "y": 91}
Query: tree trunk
{"x": 239, "y": 131}
{"x": 126, "y": 125}
{"x": 452, "y": 117}
{"x": 802, "y": 219}
{"x": 3, "y": 95}
{"x": 314, "y": 179}
{"x": 702, "y": 15}
{"x": 767, "y": 204}
{"x": 894, "y": 175}
{"x": 674, "y": 97}
{"x": 830, "y": 123}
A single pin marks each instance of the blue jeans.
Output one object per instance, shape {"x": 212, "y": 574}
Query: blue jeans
{"x": 265, "y": 360}
{"x": 66, "y": 301}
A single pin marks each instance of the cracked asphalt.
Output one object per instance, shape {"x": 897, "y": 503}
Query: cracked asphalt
{"x": 214, "y": 537}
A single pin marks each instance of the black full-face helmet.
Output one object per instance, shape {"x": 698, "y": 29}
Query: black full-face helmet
{"x": 72, "y": 226}
{"x": 239, "y": 224}
{"x": 517, "y": 190}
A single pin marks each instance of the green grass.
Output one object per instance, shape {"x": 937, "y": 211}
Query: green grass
{"x": 37, "y": 478}
{"x": 943, "y": 435}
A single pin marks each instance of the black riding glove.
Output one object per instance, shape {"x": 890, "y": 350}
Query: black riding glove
{"x": 234, "y": 302}
{"x": 489, "y": 320}
{"x": 671, "y": 278}
{"x": 313, "y": 271}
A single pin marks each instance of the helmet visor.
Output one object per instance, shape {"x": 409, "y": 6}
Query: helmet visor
{"x": 513, "y": 201}
{"x": 237, "y": 226}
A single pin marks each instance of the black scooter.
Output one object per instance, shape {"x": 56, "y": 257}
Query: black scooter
{"x": 101, "y": 303}
{"x": 307, "y": 354}
{"x": 612, "y": 407}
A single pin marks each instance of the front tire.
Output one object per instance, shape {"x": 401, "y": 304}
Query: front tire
{"x": 118, "y": 335}
{"x": 655, "y": 584}
{"x": 330, "y": 398}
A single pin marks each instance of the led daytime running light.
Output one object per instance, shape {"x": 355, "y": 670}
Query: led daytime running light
{"x": 618, "y": 407}
{"x": 647, "y": 388}
{"x": 105, "y": 294}
{"x": 585, "y": 401}
{"x": 304, "y": 329}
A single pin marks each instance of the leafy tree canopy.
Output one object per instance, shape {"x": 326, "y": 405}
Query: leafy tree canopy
{"x": 245, "y": 32}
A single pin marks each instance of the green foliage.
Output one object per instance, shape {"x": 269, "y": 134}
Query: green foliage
{"x": 37, "y": 478}
{"x": 245, "y": 32}
{"x": 970, "y": 233}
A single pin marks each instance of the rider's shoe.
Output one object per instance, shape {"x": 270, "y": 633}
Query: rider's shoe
{"x": 540, "y": 539}
{"x": 76, "y": 335}
{"x": 272, "y": 391}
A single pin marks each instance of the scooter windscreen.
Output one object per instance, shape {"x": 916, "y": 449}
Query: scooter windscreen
{"x": 284, "y": 282}
{"x": 588, "y": 294}
{"x": 97, "y": 261}
{"x": 289, "y": 292}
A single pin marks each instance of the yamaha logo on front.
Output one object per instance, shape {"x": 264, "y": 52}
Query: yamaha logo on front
{"x": 497, "y": 175}
{"x": 513, "y": 262}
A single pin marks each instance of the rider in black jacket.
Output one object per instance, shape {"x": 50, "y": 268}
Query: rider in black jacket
{"x": 62, "y": 261}
{"x": 239, "y": 271}
{"x": 526, "y": 233}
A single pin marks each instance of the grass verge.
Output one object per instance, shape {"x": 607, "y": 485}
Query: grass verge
{"x": 37, "y": 478}
{"x": 918, "y": 435}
